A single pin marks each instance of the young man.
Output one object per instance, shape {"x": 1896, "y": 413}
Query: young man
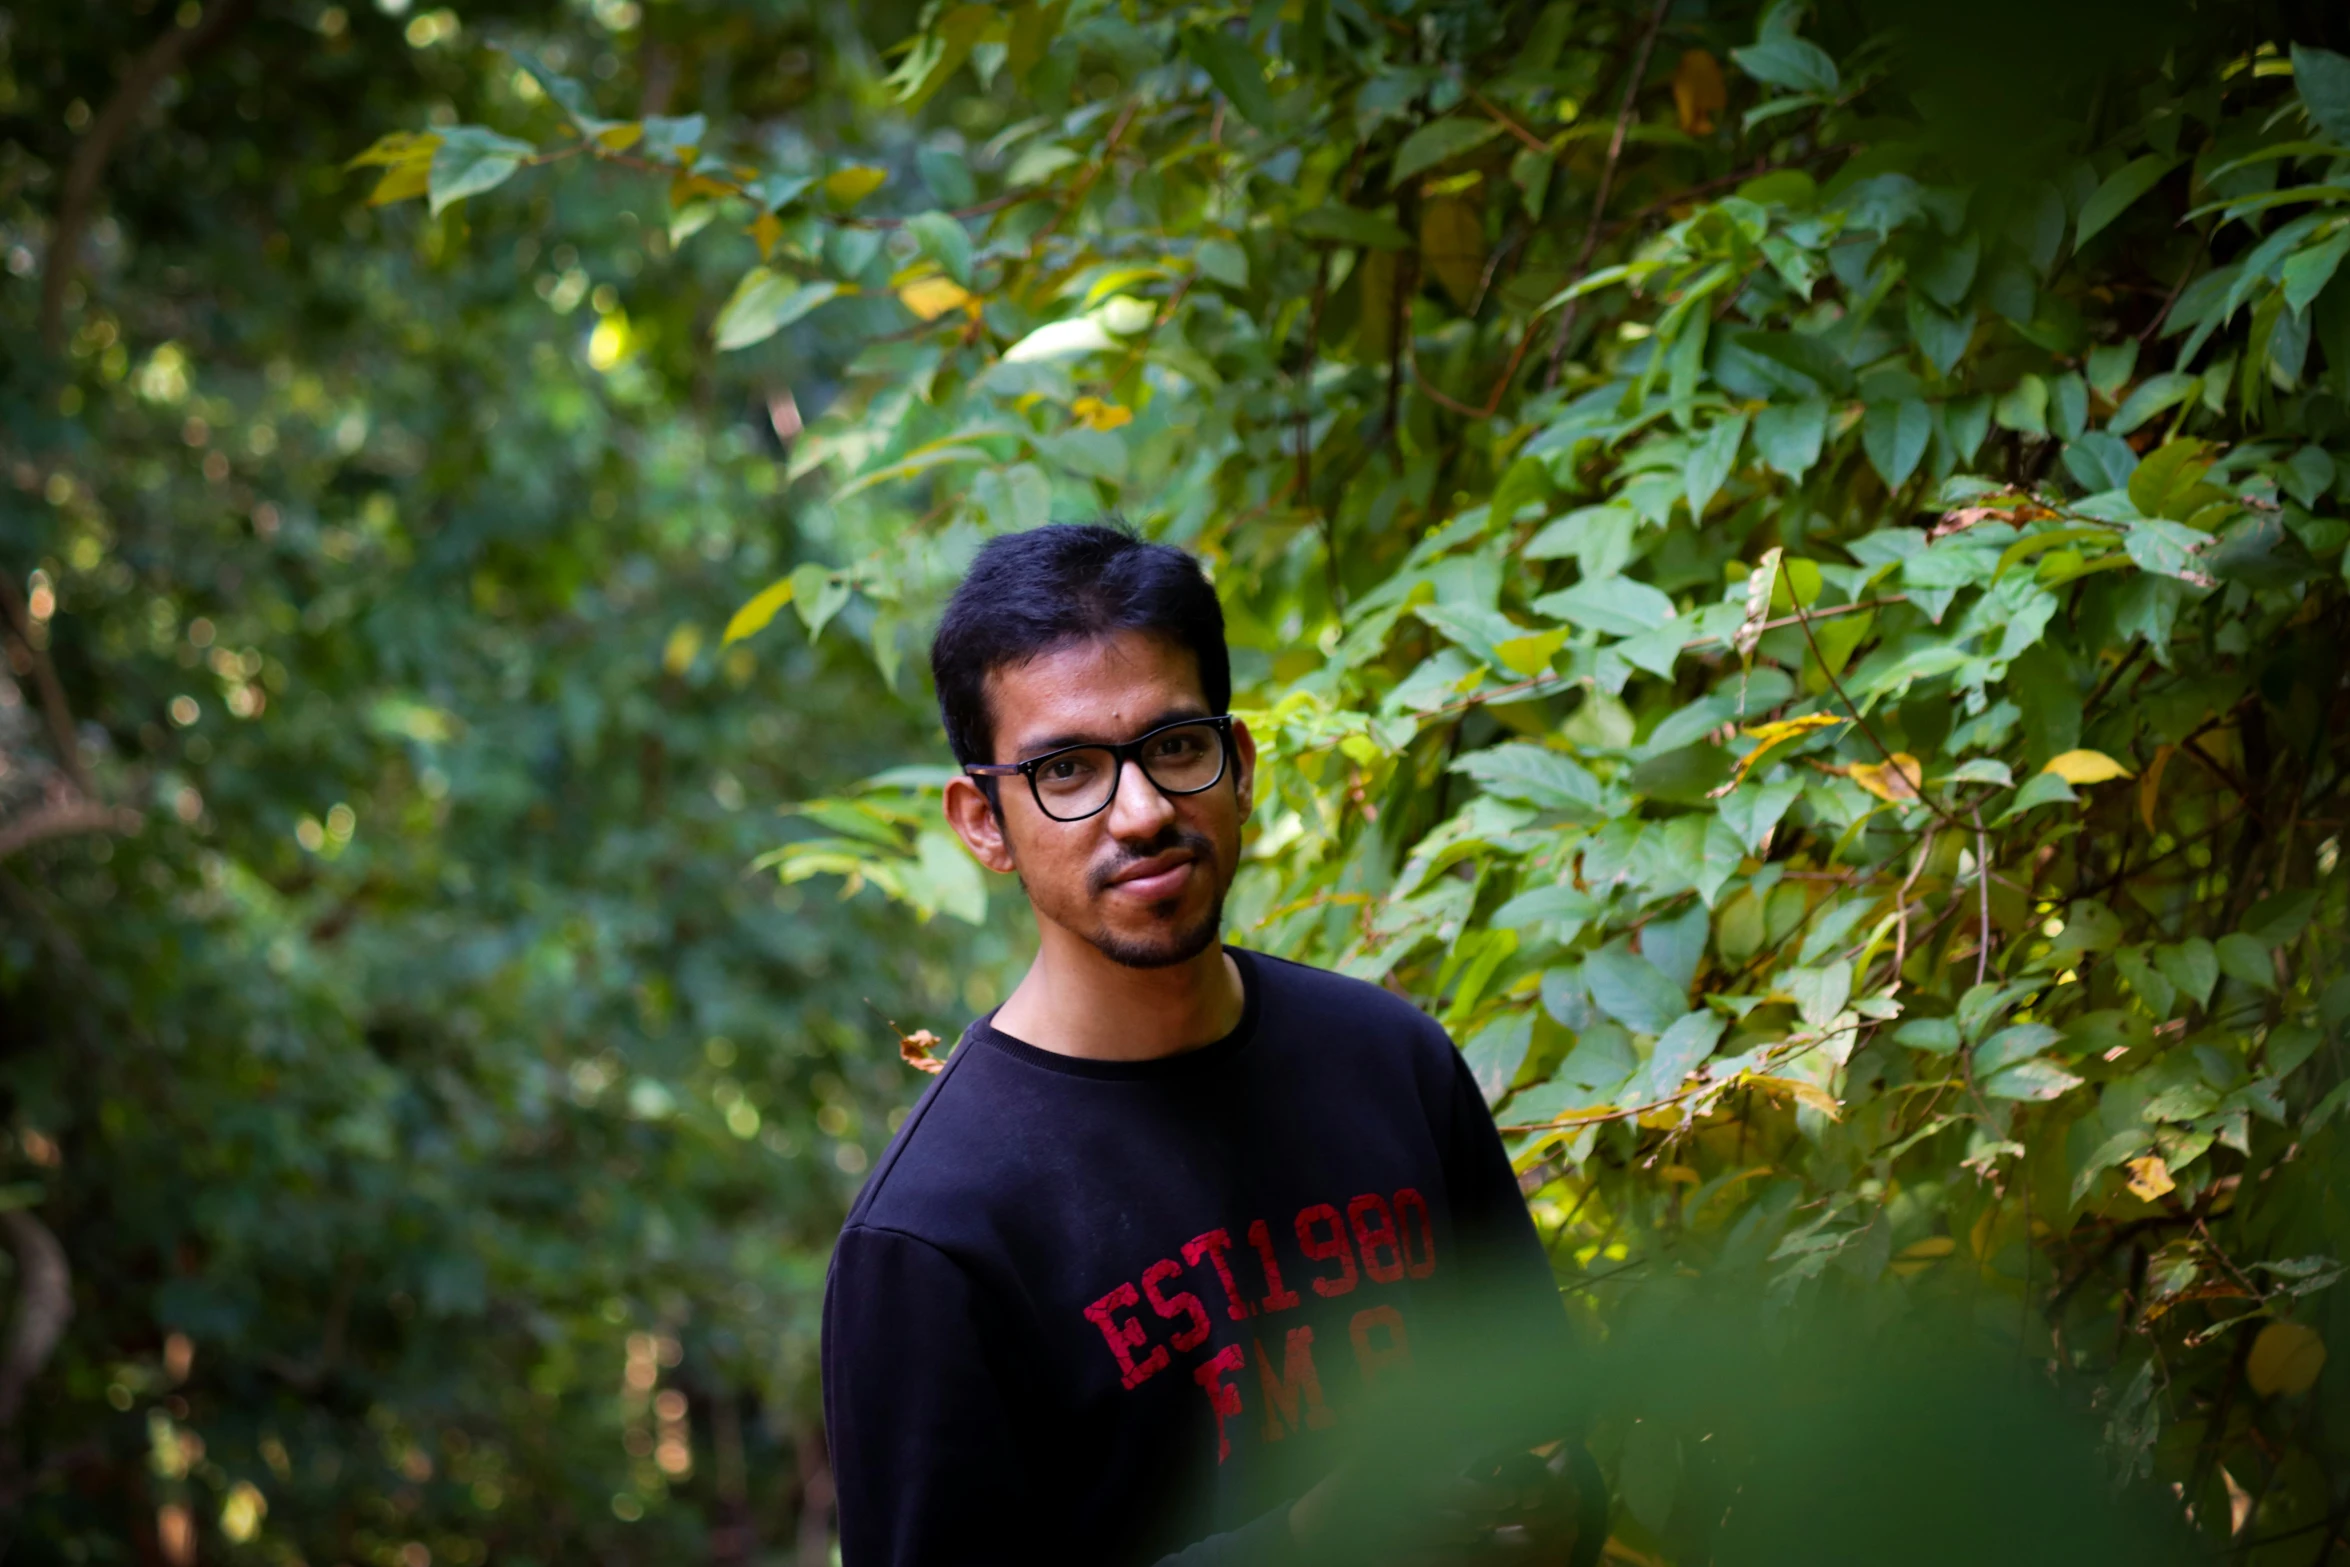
{"x": 1174, "y": 1210}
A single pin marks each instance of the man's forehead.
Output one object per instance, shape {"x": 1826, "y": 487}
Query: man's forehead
{"x": 1093, "y": 686}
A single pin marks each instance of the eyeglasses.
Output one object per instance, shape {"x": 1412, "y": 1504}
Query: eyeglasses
{"x": 1185, "y": 757}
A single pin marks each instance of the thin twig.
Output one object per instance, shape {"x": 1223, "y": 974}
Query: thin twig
{"x": 1607, "y": 181}
{"x": 150, "y": 71}
{"x": 1983, "y": 881}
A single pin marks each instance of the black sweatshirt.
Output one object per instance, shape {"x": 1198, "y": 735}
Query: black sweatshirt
{"x": 1098, "y": 1312}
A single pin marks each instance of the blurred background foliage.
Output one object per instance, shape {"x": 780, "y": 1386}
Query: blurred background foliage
{"x": 1789, "y": 560}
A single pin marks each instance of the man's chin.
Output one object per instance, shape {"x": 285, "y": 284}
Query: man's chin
{"x": 1164, "y": 946}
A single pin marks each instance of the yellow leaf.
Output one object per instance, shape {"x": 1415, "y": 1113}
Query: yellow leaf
{"x": 401, "y": 182}
{"x": 397, "y": 148}
{"x": 1099, "y": 415}
{"x": 2085, "y": 767}
{"x": 853, "y": 184}
{"x": 2150, "y": 1177}
{"x": 619, "y": 138}
{"x": 752, "y": 618}
{"x": 1452, "y": 246}
{"x": 1896, "y": 780}
{"x": 1698, "y": 91}
{"x": 1530, "y": 655}
{"x": 932, "y": 297}
{"x": 1773, "y": 734}
{"x": 2150, "y": 786}
{"x": 686, "y": 187}
{"x": 1678, "y": 1174}
{"x": 677, "y": 656}
{"x": 1803, "y": 1093}
{"x": 766, "y": 229}
{"x": 1913, "y": 1260}
{"x": 2286, "y": 1358}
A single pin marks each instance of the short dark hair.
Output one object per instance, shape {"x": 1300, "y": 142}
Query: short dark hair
{"x": 1028, "y": 594}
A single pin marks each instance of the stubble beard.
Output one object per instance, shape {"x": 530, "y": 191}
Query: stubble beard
{"x": 1168, "y": 947}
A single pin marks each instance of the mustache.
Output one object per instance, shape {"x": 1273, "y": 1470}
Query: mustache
{"x": 1202, "y": 847}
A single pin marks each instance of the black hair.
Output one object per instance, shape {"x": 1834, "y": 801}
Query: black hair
{"x": 1028, "y": 594}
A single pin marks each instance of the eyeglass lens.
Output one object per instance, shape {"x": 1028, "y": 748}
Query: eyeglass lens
{"x": 1181, "y": 760}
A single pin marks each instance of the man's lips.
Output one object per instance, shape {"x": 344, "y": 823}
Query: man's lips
{"x": 1160, "y": 876}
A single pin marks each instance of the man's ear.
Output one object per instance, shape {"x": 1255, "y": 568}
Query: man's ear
{"x": 1244, "y": 767}
{"x": 978, "y": 824}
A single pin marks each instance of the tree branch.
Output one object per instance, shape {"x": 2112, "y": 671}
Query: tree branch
{"x": 44, "y": 1304}
{"x": 79, "y": 199}
{"x": 1607, "y": 181}
{"x": 63, "y": 817}
{"x": 53, "y": 704}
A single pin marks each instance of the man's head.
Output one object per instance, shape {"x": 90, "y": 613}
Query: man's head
{"x": 1087, "y": 635}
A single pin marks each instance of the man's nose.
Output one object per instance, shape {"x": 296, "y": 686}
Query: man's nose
{"x": 1138, "y": 811}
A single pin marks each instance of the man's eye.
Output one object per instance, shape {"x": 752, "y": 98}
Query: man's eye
{"x": 1061, "y": 771}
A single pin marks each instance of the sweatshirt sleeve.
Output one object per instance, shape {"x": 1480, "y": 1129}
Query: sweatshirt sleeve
{"x": 1510, "y": 1284}
{"x": 921, "y": 1435}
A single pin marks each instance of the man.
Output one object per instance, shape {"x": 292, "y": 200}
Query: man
{"x": 1173, "y": 1211}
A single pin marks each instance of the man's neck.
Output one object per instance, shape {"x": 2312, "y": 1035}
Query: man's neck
{"x": 1075, "y": 1001}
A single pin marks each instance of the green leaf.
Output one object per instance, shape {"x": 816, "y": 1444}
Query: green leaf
{"x": 2038, "y": 790}
{"x": 1941, "y": 338}
{"x": 1679, "y": 1051}
{"x": 2020, "y": 1042}
{"x": 1237, "y": 71}
{"x": 2242, "y": 958}
{"x": 818, "y": 592}
{"x": 470, "y": 160}
{"x": 2192, "y": 965}
{"x": 1710, "y": 462}
{"x": 2120, "y": 188}
{"x": 1620, "y": 606}
{"x": 1820, "y": 993}
{"x": 1437, "y": 141}
{"x": 2169, "y": 549}
{"x": 2029, "y": 1081}
{"x": 2023, "y": 407}
{"x": 2166, "y": 478}
{"x": 1224, "y": 262}
{"x": 1788, "y": 436}
{"x": 1790, "y": 62}
{"x": 1497, "y": 1050}
{"x": 1535, "y": 774}
{"x": 2152, "y": 396}
{"x": 944, "y": 240}
{"x": 2310, "y": 270}
{"x": 1895, "y": 436}
{"x": 2322, "y": 78}
{"x": 1935, "y": 1035}
{"x": 764, "y": 303}
{"x": 2110, "y": 365}
{"x": 753, "y": 617}
{"x": 1632, "y": 990}
{"x": 1352, "y": 226}
{"x": 2275, "y": 921}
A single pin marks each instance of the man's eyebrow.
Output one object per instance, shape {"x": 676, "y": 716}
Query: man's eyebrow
{"x": 1061, "y": 742}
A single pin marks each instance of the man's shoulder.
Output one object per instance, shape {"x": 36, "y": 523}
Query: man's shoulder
{"x": 1341, "y": 1008}
{"x": 943, "y": 1144}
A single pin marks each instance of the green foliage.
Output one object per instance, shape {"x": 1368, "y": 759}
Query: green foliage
{"x": 1824, "y": 673}
{"x": 1854, "y": 754}
{"x": 443, "y": 1135}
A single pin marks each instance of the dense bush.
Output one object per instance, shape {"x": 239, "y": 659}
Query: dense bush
{"x": 1789, "y": 569}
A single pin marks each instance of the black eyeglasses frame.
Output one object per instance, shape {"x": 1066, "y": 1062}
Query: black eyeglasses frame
{"x": 1121, "y": 754}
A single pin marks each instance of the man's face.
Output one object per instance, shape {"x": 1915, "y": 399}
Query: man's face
{"x": 1144, "y": 878}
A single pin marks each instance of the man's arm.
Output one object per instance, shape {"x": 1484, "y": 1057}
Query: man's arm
{"x": 923, "y": 1444}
